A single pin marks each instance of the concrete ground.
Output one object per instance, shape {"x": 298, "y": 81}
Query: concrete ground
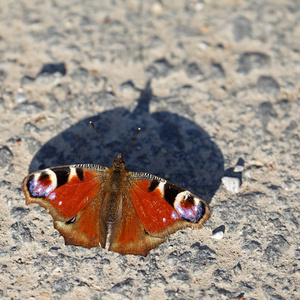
{"x": 214, "y": 85}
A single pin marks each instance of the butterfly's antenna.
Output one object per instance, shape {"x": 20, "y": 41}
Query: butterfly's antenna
{"x": 101, "y": 139}
{"x": 134, "y": 138}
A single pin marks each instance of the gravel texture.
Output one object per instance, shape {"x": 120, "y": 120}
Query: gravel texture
{"x": 214, "y": 85}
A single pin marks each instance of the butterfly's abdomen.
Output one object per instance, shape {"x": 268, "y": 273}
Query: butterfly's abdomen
{"x": 113, "y": 199}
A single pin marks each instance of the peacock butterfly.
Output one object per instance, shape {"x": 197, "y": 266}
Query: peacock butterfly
{"x": 135, "y": 210}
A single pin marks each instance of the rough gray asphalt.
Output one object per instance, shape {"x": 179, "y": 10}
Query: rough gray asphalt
{"x": 210, "y": 83}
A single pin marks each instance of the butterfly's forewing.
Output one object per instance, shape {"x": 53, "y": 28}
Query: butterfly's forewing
{"x": 164, "y": 207}
{"x": 71, "y": 195}
{"x": 153, "y": 209}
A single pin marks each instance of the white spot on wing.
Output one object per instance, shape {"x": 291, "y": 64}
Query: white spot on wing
{"x": 196, "y": 201}
{"x": 48, "y": 190}
{"x": 35, "y": 179}
{"x": 164, "y": 220}
{"x": 72, "y": 173}
{"x": 174, "y": 216}
{"x": 161, "y": 187}
{"x": 52, "y": 196}
{"x": 60, "y": 203}
{"x": 180, "y": 210}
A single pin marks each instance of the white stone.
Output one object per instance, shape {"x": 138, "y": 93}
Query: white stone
{"x": 218, "y": 235}
{"x": 238, "y": 168}
{"x": 231, "y": 184}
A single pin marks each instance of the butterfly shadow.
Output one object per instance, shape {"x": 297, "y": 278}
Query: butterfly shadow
{"x": 169, "y": 146}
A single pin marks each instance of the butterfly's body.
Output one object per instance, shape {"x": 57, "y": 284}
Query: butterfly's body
{"x": 115, "y": 186}
{"x": 138, "y": 210}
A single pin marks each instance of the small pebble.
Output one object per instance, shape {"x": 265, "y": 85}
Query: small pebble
{"x": 20, "y": 97}
{"x": 238, "y": 168}
{"x": 218, "y": 235}
{"x": 203, "y": 45}
{"x": 231, "y": 184}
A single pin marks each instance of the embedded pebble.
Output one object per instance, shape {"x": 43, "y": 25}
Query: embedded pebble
{"x": 218, "y": 235}
{"x": 231, "y": 184}
{"x": 20, "y": 97}
{"x": 238, "y": 168}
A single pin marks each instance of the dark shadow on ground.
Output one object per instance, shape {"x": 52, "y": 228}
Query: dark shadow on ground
{"x": 169, "y": 146}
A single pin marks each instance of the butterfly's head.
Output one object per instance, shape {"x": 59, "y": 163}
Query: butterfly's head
{"x": 119, "y": 163}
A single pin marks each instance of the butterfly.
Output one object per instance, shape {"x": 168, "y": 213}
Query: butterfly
{"x": 133, "y": 211}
